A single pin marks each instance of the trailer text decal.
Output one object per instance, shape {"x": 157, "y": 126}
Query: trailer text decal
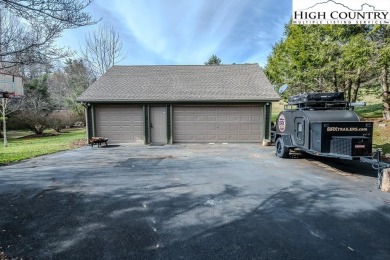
{"x": 282, "y": 123}
{"x": 346, "y": 129}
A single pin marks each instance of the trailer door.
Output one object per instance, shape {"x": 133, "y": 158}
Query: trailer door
{"x": 300, "y": 131}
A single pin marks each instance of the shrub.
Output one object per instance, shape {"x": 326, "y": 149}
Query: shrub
{"x": 61, "y": 119}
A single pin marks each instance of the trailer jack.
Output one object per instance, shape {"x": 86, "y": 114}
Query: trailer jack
{"x": 377, "y": 164}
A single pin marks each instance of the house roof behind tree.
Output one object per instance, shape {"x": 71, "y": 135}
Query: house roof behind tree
{"x": 188, "y": 83}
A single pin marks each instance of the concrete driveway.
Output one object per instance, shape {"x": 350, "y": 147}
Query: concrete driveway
{"x": 190, "y": 202}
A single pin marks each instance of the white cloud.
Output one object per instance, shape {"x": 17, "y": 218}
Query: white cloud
{"x": 190, "y": 31}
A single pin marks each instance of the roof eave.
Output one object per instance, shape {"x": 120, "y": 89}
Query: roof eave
{"x": 178, "y": 101}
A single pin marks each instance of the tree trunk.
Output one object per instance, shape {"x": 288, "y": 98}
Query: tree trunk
{"x": 335, "y": 88}
{"x": 356, "y": 86}
{"x": 385, "y": 93}
{"x": 4, "y": 103}
{"x": 348, "y": 86}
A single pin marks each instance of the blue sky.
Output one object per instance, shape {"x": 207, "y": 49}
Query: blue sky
{"x": 180, "y": 32}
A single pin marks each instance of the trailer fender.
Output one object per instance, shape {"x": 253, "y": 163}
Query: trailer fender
{"x": 286, "y": 140}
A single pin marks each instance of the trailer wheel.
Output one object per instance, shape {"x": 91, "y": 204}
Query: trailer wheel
{"x": 281, "y": 150}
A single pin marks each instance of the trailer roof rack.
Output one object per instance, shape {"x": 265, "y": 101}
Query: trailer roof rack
{"x": 318, "y": 101}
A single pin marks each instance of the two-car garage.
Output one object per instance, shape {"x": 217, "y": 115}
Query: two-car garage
{"x": 164, "y": 104}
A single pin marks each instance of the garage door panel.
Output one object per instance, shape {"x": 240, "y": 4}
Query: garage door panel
{"x": 244, "y": 137}
{"x": 211, "y": 118}
{"x": 233, "y": 138}
{"x": 200, "y": 128}
{"x": 256, "y": 138}
{"x": 217, "y": 123}
{"x": 234, "y": 128}
{"x": 115, "y": 118}
{"x": 211, "y": 138}
{"x": 137, "y": 128}
{"x": 211, "y": 127}
{"x": 181, "y": 129}
{"x": 190, "y": 137}
{"x": 126, "y": 129}
{"x": 255, "y": 128}
{"x": 120, "y": 124}
{"x": 126, "y": 122}
{"x": 127, "y": 118}
{"x": 201, "y": 137}
{"x": 138, "y": 137}
{"x": 233, "y": 118}
{"x": 222, "y": 137}
{"x": 222, "y": 109}
{"x": 223, "y": 128}
{"x": 222, "y": 119}
{"x": 180, "y": 138}
{"x": 200, "y": 118}
{"x": 245, "y": 118}
{"x": 245, "y": 128}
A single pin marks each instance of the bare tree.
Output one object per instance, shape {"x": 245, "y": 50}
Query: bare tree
{"x": 37, "y": 105}
{"x": 102, "y": 48}
{"x": 35, "y": 113}
{"x": 7, "y": 106}
{"x": 28, "y": 29}
{"x": 64, "y": 86}
{"x": 58, "y": 88}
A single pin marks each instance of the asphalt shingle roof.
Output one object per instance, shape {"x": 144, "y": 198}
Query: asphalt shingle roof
{"x": 181, "y": 83}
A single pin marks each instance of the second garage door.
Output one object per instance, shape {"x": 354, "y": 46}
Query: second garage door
{"x": 200, "y": 124}
{"x": 120, "y": 124}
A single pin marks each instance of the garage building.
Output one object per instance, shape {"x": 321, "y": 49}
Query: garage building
{"x": 180, "y": 104}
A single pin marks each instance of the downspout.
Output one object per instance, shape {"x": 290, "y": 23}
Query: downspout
{"x": 86, "y": 119}
{"x": 93, "y": 120}
{"x": 266, "y": 120}
{"x": 171, "y": 125}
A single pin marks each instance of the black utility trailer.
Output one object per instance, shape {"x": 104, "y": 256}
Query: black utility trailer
{"x": 322, "y": 124}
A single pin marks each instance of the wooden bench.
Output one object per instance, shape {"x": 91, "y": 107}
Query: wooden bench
{"x": 98, "y": 141}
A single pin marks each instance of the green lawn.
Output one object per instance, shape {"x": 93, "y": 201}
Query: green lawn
{"x": 24, "y": 148}
{"x": 277, "y": 107}
{"x": 369, "y": 111}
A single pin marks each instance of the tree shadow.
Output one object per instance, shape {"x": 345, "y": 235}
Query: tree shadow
{"x": 171, "y": 222}
{"x": 342, "y": 165}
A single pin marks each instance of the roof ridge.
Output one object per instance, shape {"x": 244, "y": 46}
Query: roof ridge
{"x": 188, "y": 65}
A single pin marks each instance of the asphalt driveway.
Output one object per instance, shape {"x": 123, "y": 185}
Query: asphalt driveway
{"x": 190, "y": 202}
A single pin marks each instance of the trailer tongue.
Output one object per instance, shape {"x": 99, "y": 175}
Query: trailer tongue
{"x": 322, "y": 124}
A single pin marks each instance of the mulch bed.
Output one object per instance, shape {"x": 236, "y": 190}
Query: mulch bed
{"x": 37, "y": 136}
{"x": 79, "y": 143}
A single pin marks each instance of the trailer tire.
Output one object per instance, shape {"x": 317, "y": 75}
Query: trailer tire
{"x": 281, "y": 150}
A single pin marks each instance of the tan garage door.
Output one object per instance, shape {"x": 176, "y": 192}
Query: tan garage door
{"x": 120, "y": 124}
{"x": 232, "y": 124}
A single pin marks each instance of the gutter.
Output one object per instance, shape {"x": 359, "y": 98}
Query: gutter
{"x": 176, "y": 101}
